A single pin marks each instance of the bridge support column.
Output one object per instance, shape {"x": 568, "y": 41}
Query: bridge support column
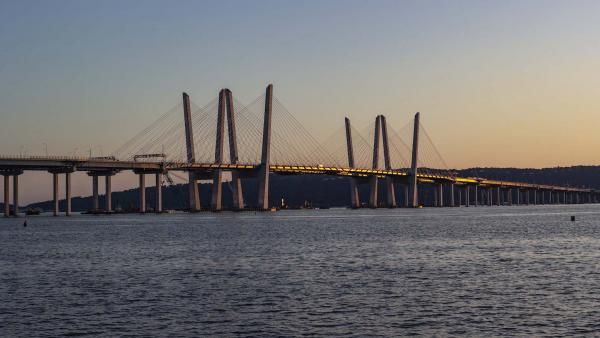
{"x": 391, "y": 192}
{"x": 108, "y": 193}
{"x": 440, "y": 194}
{"x": 467, "y": 197}
{"x": 373, "y": 194}
{"x": 518, "y": 200}
{"x": 263, "y": 179}
{"x": 452, "y": 204}
{"x": 55, "y": 193}
{"x": 459, "y": 197}
{"x": 16, "y": 195}
{"x": 158, "y": 186}
{"x": 509, "y": 196}
{"x": 476, "y": 195}
{"x": 95, "y": 198}
{"x": 142, "y": 179}
{"x": 545, "y": 198}
{"x": 498, "y": 196}
{"x": 68, "y": 194}
{"x": 6, "y": 196}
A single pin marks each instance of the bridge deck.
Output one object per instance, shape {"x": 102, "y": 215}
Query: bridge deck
{"x": 90, "y": 164}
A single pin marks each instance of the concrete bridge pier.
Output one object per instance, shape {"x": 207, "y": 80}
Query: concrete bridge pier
{"x": 543, "y": 197}
{"x": 452, "y": 203}
{"x": 6, "y": 196}
{"x": 440, "y": 194}
{"x": 373, "y": 193}
{"x": 475, "y": 196}
{"x": 55, "y": 193}
{"x": 14, "y": 173}
{"x": 158, "y": 186}
{"x": 16, "y": 194}
{"x": 68, "y": 193}
{"x": 518, "y": 199}
{"x": 95, "y": 196}
{"x": 459, "y": 197}
{"x": 498, "y": 196}
{"x": 489, "y": 196}
{"x": 467, "y": 199}
{"x": 108, "y": 193}
{"x": 142, "y": 189}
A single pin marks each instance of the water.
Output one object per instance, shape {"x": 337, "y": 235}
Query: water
{"x": 525, "y": 271}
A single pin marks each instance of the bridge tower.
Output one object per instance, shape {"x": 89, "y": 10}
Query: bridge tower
{"x": 217, "y": 188}
{"x": 413, "y": 192}
{"x": 391, "y": 191}
{"x": 265, "y": 162}
{"x": 194, "y": 193}
{"x": 236, "y": 181}
{"x": 354, "y": 197}
{"x": 225, "y": 111}
{"x": 373, "y": 180}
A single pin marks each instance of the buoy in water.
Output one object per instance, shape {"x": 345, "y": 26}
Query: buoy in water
{"x": 572, "y": 218}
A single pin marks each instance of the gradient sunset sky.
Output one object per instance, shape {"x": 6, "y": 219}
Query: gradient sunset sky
{"x": 498, "y": 83}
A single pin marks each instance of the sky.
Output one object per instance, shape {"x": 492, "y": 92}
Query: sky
{"x": 498, "y": 83}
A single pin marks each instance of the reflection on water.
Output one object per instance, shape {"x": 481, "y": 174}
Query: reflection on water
{"x": 455, "y": 271}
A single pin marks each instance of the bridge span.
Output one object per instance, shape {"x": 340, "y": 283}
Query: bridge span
{"x": 450, "y": 190}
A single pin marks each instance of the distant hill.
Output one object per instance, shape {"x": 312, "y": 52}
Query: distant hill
{"x": 332, "y": 191}
{"x": 577, "y": 176}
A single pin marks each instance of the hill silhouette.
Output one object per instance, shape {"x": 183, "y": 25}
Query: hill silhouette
{"x": 332, "y": 191}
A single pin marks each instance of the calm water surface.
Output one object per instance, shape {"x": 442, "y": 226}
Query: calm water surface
{"x": 487, "y": 271}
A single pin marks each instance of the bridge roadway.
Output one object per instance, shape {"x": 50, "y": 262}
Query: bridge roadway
{"x": 107, "y": 167}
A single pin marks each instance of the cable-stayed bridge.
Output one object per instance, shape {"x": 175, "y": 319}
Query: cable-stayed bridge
{"x": 264, "y": 138}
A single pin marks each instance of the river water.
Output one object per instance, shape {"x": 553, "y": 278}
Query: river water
{"x": 486, "y": 271}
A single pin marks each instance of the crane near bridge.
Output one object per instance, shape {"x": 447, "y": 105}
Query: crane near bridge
{"x": 263, "y": 138}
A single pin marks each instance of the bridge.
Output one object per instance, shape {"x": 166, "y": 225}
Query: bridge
{"x": 264, "y": 139}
